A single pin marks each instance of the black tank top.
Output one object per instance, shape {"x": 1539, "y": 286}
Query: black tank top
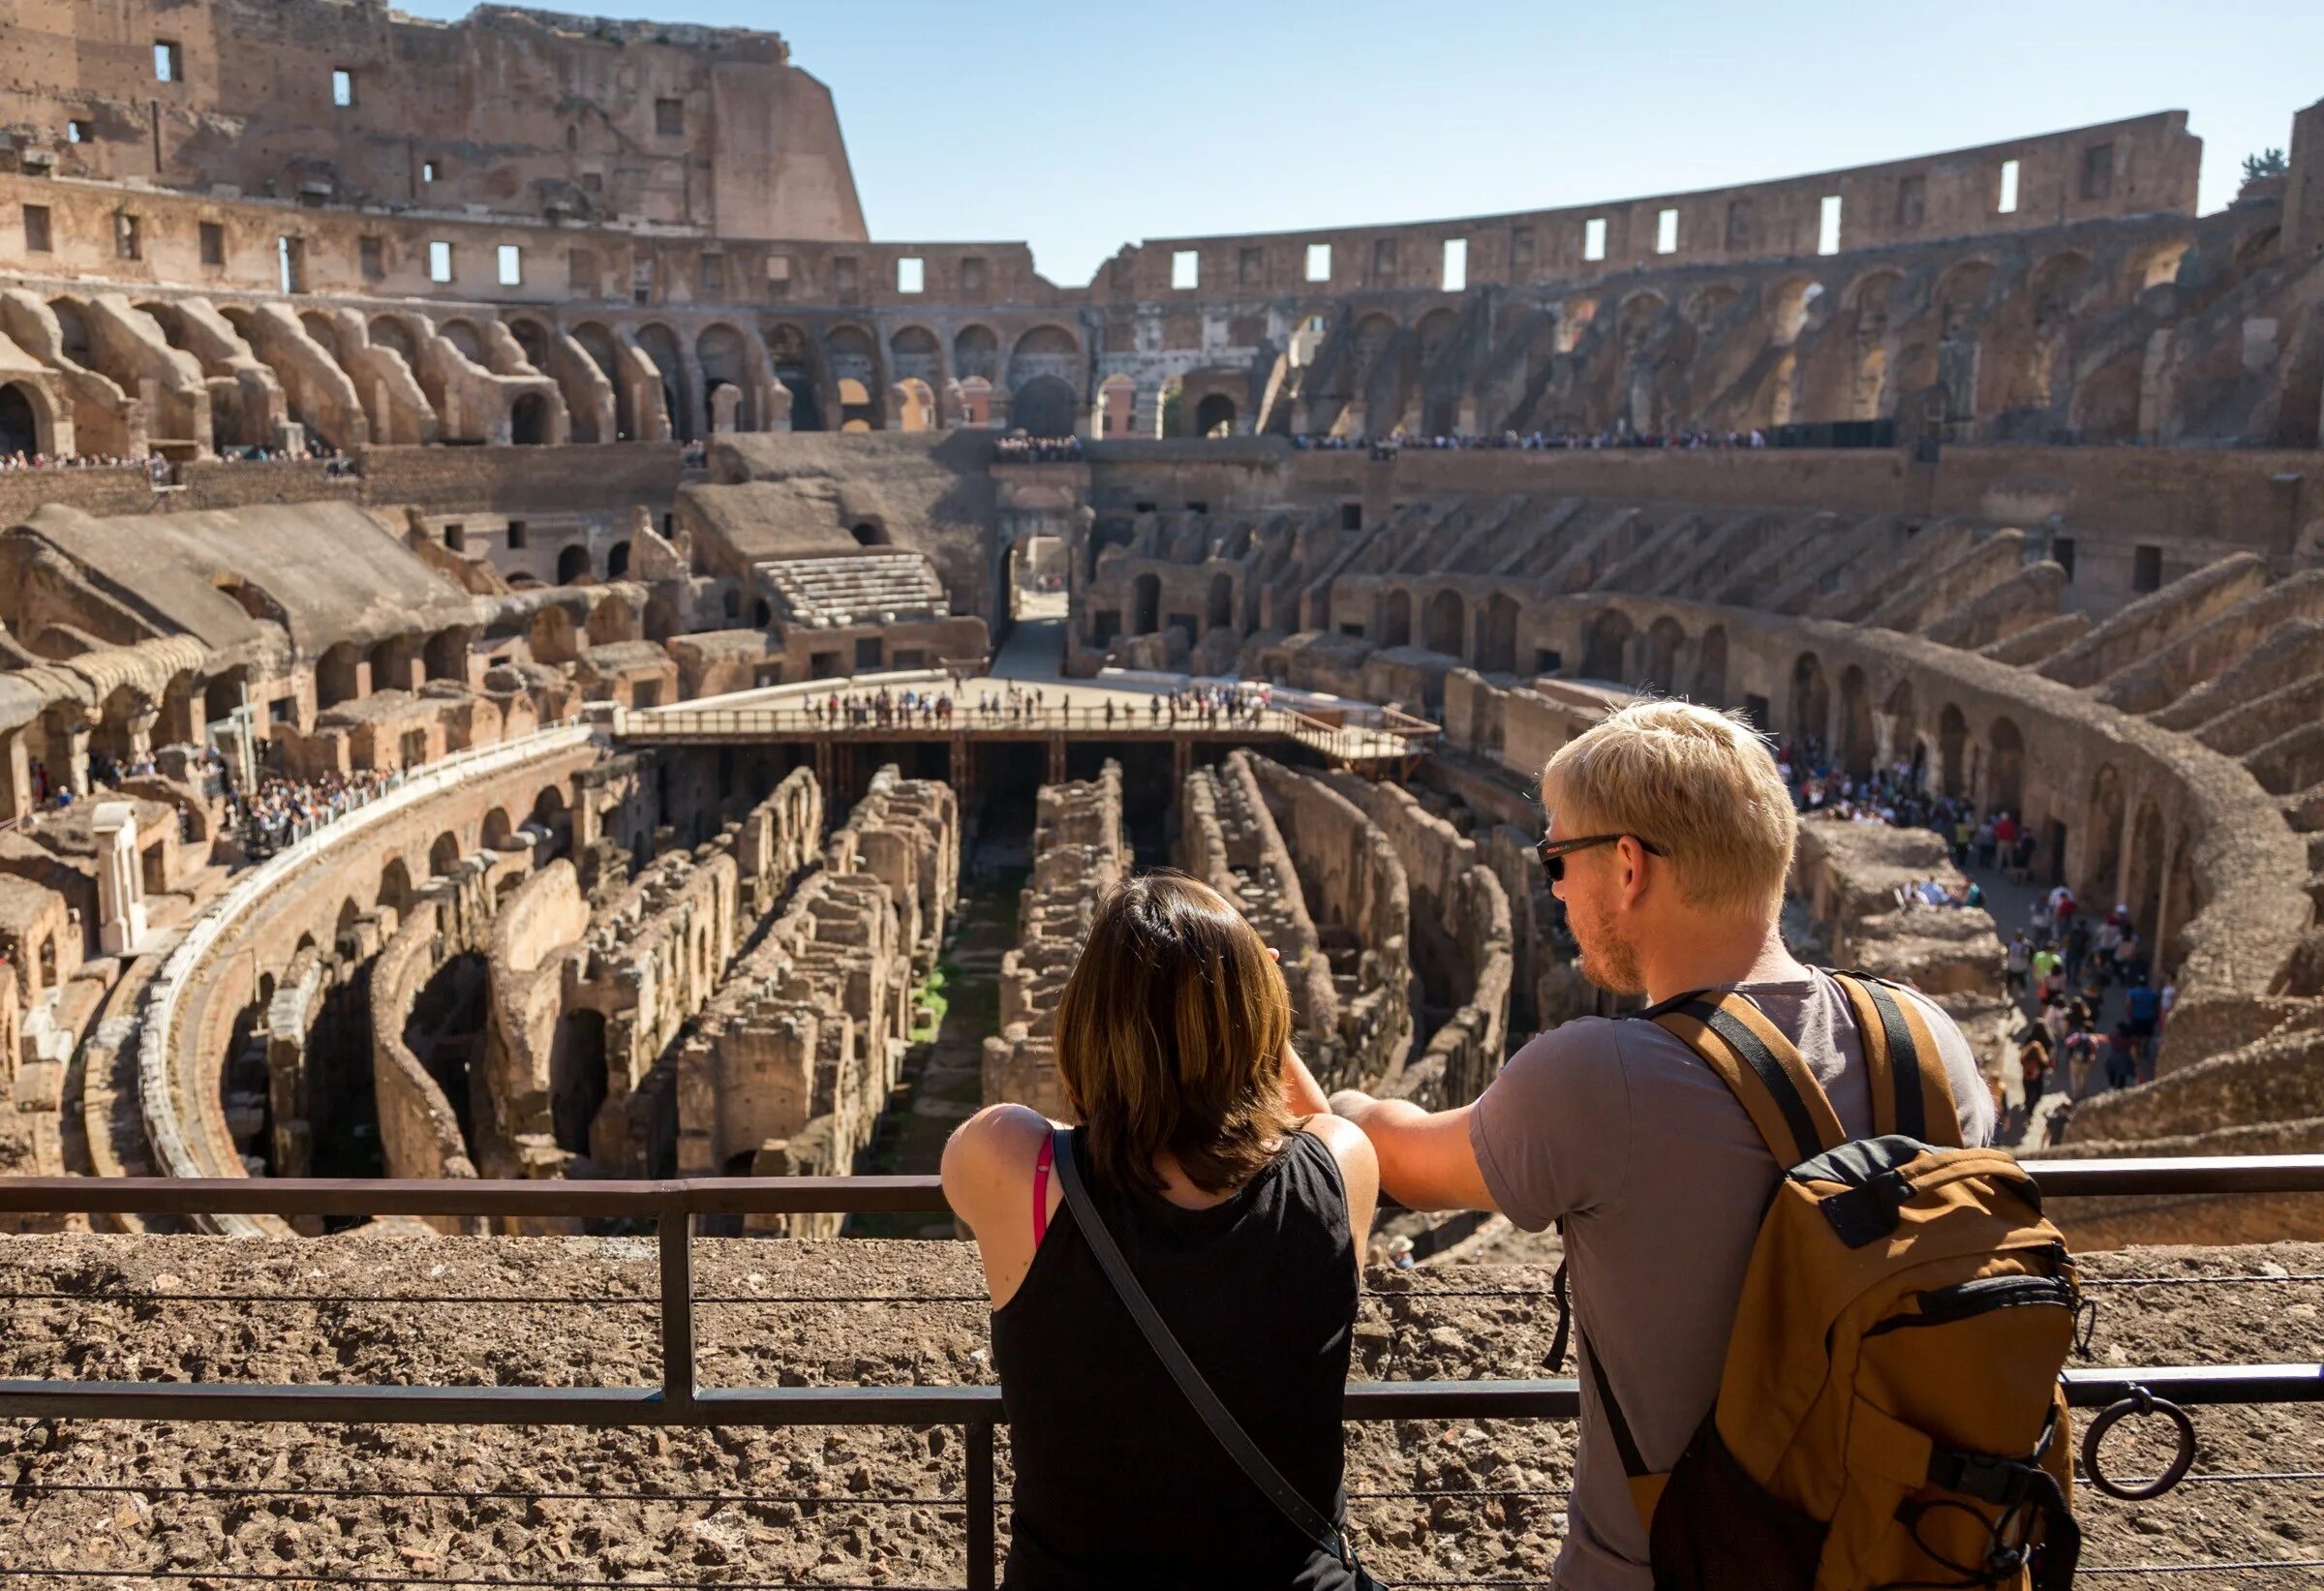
{"x": 1119, "y": 1483}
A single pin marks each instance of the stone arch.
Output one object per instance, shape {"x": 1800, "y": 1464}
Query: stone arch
{"x": 1448, "y": 623}
{"x": 1145, "y": 604}
{"x": 389, "y": 330}
{"x": 2143, "y": 890}
{"x": 617, "y": 561}
{"x": 24, "y": 427}
{"x": 976, "y": 354}
{"x": 598, "y": 343}
{"x": 1605, "y": 651}
{"x": 446, "y": 655}
{"x": 1116, "y": 412}
{"x": 1496, "y": 631}
{"x": 2005, "y": 767}
{"x": 1396, "y": 624}
{"x": 1858, "y": 744}
{"x": 532, "y": 340}
{"x": 1706, "y": 304}
{"x": 1789, "y": 307}
{"x": 1953, "y": 742}
{"x": 337, "y": 675}
{"x": 793, "y": 357}
{"x": 444, "y": 854}
{"x": 498, "y": 829}
{"x": 1042, "y": 406}
{"x": 1214, "y": 417}
{"x": 529, "y": 420}
{"x": 2156, "y": 265}
{"x": 1710, "y": 667}
{"x": 463, "y": 335}
{"x": 1959, "y": 296}
{"x": 2056, "y": 283}
{"x": 870, "y": 533}
{"x": 392, "y": 663}
{"x": 660, "y": 344}
{"x": 395, "y": 887}
{"x": 1809, "y": 713}
{"x": 572, "y": 564}
{"x": 2102, "y": 834}
{"x": 1900, "y": 725}
{"x": 912, "y": 405}
{"x": 1666, "y": 640}
{"x": 1219, "y": 608}
{"x": 1869, "y": 397}
{"x": 2182, "y": 899}
{"x": 1046, "y": 352}
{"x": 855, "y": 372}
{"x": 577, "y": 1076}
{"x": 723, "y": 357}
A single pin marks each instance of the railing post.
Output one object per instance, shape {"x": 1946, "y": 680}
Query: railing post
{"x": 981, "y": 1545}
{"x": 674, "y": 1229}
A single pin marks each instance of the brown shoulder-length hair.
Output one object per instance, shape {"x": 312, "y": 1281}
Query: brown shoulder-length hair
{"x": 1170, "y": 1038}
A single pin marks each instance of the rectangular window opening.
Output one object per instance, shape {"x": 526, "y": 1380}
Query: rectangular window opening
{"x": 1457, "y": 264}
{"x": 669, "y": 118}
{"x": 1185, "y": 269}
{"x": 168, "y": 62}
{"x": 213, "y": 243}
{"x": 1593, "y": 238}
{"x": 290, "y": 262}
{"x": 2098, "y": 171}
{"x": 126, "y": 240}
{"x": 911, "y": 275}
{"x": 713, "y": 277}
{"x": 78, "y": 130}
{"x": 36, "y": 230}
{"x": 343, "y": 87}
{"x": 1350, "y": 516}
{"x": 2007, "y": 203}
{"x": 2061, "y": 554}
{"x": 371, "y": 259}
{"x": 779, "y": 276}
{"x": 1666, "y": 232}
{"x": 427, "y": 170}
{"x": 440, "y": 262}
{"x": 517, "y": 536}
{"x": 2147, "y": 570}
{"x": 1828, "y": 225}
{"x": 1319, "y": 262}
{"x": 512, "y": 266}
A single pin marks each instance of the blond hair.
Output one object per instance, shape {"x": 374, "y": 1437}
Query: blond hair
{"x": 1700, "y": 783}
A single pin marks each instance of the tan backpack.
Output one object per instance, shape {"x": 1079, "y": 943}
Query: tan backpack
{"x": 1891, "y": 1413}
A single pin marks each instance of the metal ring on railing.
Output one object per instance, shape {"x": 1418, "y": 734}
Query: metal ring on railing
{"x": 2140, "y": 1401}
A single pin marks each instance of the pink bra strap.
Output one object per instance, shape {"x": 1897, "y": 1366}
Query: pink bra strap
{"x": 1041, "y": 1167}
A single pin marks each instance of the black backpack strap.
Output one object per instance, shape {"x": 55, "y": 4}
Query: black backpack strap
{"x": 1762, "y": 1068}
{"x": 1229, "y": 1433}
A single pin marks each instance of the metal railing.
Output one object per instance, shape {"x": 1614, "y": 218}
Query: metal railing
{"x": 680, "y": 1398}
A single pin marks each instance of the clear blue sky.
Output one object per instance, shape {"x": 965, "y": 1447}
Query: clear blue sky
{"x": 1078, "y": 127}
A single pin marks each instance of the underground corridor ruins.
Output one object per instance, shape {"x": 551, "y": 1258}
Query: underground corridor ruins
{"x": 535, "y": 654}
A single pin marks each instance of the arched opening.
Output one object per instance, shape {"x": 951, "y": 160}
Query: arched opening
{"x": 338, "y": 675}
{"x": 1789, "y": 313}
{"x": 1044, "y": 407}
{"x": 915, "y": 405}
{"x": 2005, "y": 777}
{"x": 1395, "y": 627}
{"x": 572, "y": 564}
{"x": 391, "y": 664}
{"x": 724, "y": 363}
{"x": 498, "y": 829}
{"x": 1448, "y": 623}
{"x": 1904, "y": 727}
{"x": 855, "y": 371}
{"x": 1219, "y": 611}
{"x": 976, "y": 355}
{"x": 1665, "y": 640}
{"x": 1606, "y": 647}
{"x": 598, "y": 343}
{"x": 444, "y": 855}
{"x": 577, "y": 1077}
{"x": 447, "y": 1033}
{"x": 869, "y": 534}
{"x": 794, "y": 369}
{"x": 1145, "y": 603}
{"x": 549, "y": 817}
{"x": 447, "y": 654}
{"x": 529, "y": 420}
{"x": 1952, "y": 740}
{"x": 1497, "y": 635}
{"x": 395, "y": 887}
{"x": 2143, "y": 894}
{"x": 464, "y": 337}
{"x": 531, "y": 341}
{"x": 1857, "y": 746}
{"x": 1710, "y": 667}
{"x": 19, "y": 425}
{"x": 1214, "y": 417}
{"x": 2180, "y": 901}
{"x": 617, "y": 561}
{"x": 660, "y": 344}
{"x": 1810, "y": 714}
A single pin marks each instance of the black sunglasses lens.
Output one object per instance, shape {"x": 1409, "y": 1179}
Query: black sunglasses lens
{"x": 1556, "y": 867}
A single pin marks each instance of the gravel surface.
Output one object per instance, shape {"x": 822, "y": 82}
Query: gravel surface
{"x": 874, "y": 1506}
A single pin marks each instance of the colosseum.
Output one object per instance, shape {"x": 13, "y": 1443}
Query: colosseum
{"x": 533, "y": 651}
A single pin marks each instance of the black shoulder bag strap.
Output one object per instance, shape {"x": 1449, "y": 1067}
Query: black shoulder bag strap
{"x": 1229, "y": 1433}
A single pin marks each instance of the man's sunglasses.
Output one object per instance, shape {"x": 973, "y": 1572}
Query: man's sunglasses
{"x": 1553, "y": 852}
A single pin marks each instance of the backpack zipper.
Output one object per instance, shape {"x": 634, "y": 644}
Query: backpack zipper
{"x": 1944, "y": 1306}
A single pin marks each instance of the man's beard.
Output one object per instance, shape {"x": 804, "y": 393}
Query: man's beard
{"x": 1607, "y": 960}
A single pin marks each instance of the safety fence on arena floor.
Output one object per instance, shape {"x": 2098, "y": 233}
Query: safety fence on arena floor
{"x": 680, "y": 1399}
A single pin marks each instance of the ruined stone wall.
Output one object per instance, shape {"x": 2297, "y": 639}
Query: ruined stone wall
{"x": 787, "y": 1067}
{"x": 1080, "y": 852}
{"x": 1356, "y": 890}
{"x": 1461, "y": 946}
{"x": 1229, "y": 839}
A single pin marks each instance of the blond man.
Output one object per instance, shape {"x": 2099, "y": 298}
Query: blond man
{"x": 1669, "y": 839}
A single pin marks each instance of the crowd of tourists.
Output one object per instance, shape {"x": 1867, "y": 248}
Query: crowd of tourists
{"x": 1536, "y": 441}
{"x": 66, "y": 461}
{"x": 1023, "y": 450}
{"x": 282, "y": 812}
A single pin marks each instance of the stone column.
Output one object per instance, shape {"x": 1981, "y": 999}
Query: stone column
{"x": 140, "y": 733}
{"x": 15, "y": 779}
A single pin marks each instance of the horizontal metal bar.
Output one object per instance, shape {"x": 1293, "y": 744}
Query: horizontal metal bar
{"x": 2192, "y": 1385}
{"x": 805, "y": 1195}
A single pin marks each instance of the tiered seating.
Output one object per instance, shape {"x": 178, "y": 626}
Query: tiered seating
{"x": 871, "y": 588}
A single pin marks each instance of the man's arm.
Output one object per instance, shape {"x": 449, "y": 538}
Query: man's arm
{"x": 1426, "y": 1161}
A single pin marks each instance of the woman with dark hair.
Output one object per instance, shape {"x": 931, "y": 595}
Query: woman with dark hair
{"x": 1242, "y": 1207}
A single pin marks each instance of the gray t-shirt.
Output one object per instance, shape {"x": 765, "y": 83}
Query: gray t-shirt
{"x": 1662, "y": 1181}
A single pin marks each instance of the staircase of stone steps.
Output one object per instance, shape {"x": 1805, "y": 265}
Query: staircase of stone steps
{"x": 857, "y": 590}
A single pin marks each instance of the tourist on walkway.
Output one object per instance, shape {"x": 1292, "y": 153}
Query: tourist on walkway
{"x": 1670, "y": 836}
{"x": 1243, "y": 1211}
